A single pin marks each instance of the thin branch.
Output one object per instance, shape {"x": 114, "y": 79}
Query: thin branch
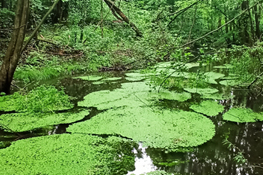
{"x": 190, "y": 32}
{"x": 39, "y": 25}
{"x": 182, "y": 11}
{"x": 256, "y": 79}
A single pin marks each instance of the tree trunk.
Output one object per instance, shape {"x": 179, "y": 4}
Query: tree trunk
{"x": 257, "y": 21}
{"x": 14, "y": 48}
{"x": 3, "y": 3}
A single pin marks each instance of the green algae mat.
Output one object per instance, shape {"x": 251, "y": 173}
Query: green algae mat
{"x": 242, "y": 115}
{"x": 131, "y": 95}
{"x": 89, "y": 78}
{"x": 158, "y": 129}
{"x": 19, "y": 122}
{"x": 201, "y": 91}
{"x": 210, "y": 108}
{"x": 66, "y": 154}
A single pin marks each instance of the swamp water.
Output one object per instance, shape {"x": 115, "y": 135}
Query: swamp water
{"x": 103, "y": 134}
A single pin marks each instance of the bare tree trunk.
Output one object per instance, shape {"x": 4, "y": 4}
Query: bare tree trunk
{"x": 14, "y": 48}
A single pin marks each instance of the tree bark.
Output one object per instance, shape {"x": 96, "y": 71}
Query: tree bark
{"x": 13, "y": 53}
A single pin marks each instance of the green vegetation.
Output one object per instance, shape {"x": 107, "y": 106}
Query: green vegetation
{"x": 158, "y": 129}
{"x": 68, "y": 154}
{"x": 20, "y": 122}
{"x": 41, "y": 99}
{"x": 242, "y": 115}
{"x": 171, "y": 62}
{"x": 210, "y": 108}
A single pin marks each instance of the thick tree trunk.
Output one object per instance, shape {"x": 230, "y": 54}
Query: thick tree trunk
{"x": 14, "y": 48}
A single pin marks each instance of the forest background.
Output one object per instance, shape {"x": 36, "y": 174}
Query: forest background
{"x": 54, "y": 38}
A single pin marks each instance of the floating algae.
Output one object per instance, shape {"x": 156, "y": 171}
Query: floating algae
{"x": 210, "y": 108}
{"x": 89, "y": 78}
{"x": 19, "y": 122}
{"x": 201, "y": 90}
{"x": 159, "y": 129}
{"x": 68, "y": 154}
{"x": 242, "y": 115}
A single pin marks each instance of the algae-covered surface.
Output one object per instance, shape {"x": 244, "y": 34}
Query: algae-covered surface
{"x": 169, "y": 95}
{"x": 175, "y": 139}
{"x": 210, "y": 108}
{"x": 230, "y": 82}
{"x": 67, "y": 154}
{"x": 213, "y": 76}
{"x": 242, "y": 115}
{"x": 201, "y": 91}
{"x": 217, "y": 96}
{"x": 112, "y": 78}
{"x": 157, "y": 129}
{"x": 89, "y": 78}
{"x": 134, "y": 78}
{"x": 19, "y": 122}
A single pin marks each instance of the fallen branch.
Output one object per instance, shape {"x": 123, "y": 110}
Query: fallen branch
{"x": 115, "y": 10}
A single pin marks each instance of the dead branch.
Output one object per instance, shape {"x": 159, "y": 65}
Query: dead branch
{"x": 115, "y": 10}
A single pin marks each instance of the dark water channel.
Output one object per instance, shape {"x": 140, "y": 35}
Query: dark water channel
{"x": 210, "y": 158}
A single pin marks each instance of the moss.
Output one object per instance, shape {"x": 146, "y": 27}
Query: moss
{"x": 201, "y": 90}
{"x": 20, "y": 122}
{"x": 68, "y": 154}
{"x": 210, "y": 108}
{"x": 89, "y": 78}
{"x": 159, "y": 129}
{"x": 242, "y": 115}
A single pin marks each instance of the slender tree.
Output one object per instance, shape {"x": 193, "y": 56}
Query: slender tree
{"x": 14, "y": 48}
